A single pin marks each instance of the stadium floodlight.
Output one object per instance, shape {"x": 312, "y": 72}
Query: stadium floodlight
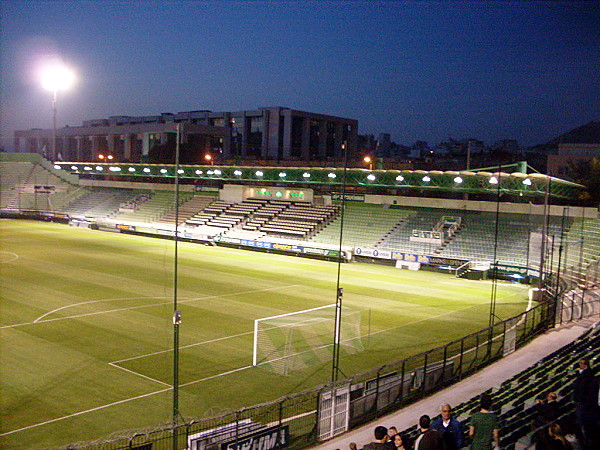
{"x": 146, "y": 170}
{"x": 180, "y": 171}
{"x": 163, "y": 170}
{"x": 237, "y": 173}
{"x": 426, "y": 179}
{"x": 297, "y": 340}
{"x": 99, "y": 168}
{"x": 199, "y": 172}
{"x": 458, "y": 180}
{"x": 55, "y": 76}
{"x": 259, "y": 173}
{"x": 306, "y": 175}
{"x": 399, "y": 178}
{"x": 331, "y": 175}
{"x": 56, "y": 166}
{"x": 527, "y": 182}
{"x": 493, "y": 180}
{"x": 217, "y": 172}
{"x": 114, "y": 169}
{"x": 371, "y": 177}
{"x": 282, "y": 174}
{"x": 132, "y": 169}
{"x": 87, "y": 168}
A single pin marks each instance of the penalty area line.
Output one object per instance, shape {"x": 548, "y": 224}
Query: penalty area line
{"x": 140, "y": 375}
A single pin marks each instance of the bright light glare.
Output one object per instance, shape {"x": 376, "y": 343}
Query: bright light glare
{"x": 331, "y": 175}
{"x": 426, "y": 179}
{"x": 306, "y": 175}
{"x": 237, "y": 173}
{"x": 527, "y": 182}
{"x": 458, "y": 180}
{"x": 57, "y": 77}
{"x": 371, "y": 177}
{"x": 259, "y": 173}
{"x": 56, "y": 166}
{"x": 493, "y": 180}
{"x": 399, "y": 178}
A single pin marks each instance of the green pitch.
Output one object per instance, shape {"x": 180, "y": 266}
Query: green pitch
{"x": 87, "y": 335}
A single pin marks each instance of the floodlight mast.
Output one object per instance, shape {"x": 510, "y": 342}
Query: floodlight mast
{"x": 54, "y": 78}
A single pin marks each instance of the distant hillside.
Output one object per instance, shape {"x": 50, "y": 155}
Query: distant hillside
{"x": 585, "y": 134}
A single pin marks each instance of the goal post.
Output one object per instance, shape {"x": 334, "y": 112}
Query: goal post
{"x": 301, "y": 339}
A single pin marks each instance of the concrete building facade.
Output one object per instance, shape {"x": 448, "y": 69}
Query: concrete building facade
{"x": 272, "y": 133}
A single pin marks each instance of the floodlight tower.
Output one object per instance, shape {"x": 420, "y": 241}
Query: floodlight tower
{"x": 56, "y": 77}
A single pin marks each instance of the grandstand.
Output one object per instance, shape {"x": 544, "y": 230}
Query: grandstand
{"x": 34, "y": 185}
{"x": 382, "y": 228}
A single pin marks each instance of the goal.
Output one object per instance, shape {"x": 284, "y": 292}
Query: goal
{"x": 298, "y": 340}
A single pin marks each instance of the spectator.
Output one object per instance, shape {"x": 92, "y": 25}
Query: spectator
{"x": 382, "y": 440}
{"x": 450, "y": 428}
{"x": 392, "y": 431}
{"x": 585, "y": 395}
{"x": 428, "y": 439}
{"x": 553, "y": 438}
{"x": 484, "y": 426}
{"x": 548, "y": 409}
{"x": 353, "y": 446}
{"x": 401, "y": 442}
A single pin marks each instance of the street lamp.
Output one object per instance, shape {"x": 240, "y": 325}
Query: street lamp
{"x": 56, "y": 77}
{"x": 208, "y": 157}
{"x": 369, "y": 161}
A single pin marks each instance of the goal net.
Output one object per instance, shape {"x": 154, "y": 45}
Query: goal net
{"x": 298, "y": 340}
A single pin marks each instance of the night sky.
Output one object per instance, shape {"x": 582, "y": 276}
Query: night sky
{"x": 417, "y": 70}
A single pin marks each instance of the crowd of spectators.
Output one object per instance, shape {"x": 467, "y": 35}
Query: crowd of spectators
{"x": 549, "y": 429}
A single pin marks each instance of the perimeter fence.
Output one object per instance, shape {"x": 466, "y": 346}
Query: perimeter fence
{"x": 300, "y": 420}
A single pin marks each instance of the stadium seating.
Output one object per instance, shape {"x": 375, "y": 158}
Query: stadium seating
{"x": 155, "y": 206}
{"x": 188, "y": 209}
{"x": 515, "y": 399}
{"x": 35, "y": 186}
{"x": 364, "y": 225}
{"x": 100, "y": 203}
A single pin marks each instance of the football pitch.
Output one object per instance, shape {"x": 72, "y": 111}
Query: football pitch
{"x": 86, "y": 328}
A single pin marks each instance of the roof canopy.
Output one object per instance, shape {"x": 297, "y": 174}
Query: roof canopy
{"x": 482, "y": 182}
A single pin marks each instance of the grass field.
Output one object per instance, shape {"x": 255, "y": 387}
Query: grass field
{"x": 87, "y": 334}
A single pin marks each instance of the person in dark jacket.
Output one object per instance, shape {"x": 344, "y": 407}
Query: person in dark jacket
{"x": 450, "y": 428}
{"x": 382, "y": 440}
{"x": 585, "y": 396}
{"x": 428, "y": 439}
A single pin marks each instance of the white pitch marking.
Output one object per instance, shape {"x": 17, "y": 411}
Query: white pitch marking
{"x": 194, "y": 299}
{"x": 182, "y": 347}
{"x": 140, "y": 375}
{"x": 58, "y": 419}
{"x": 15, "y": 257}
{"x": 215, "y": 376}
{"x": 92, "y": 301}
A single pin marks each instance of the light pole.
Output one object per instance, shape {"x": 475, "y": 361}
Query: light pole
{"x": 369, "y": 161}
{"x": 56, "y": 77}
